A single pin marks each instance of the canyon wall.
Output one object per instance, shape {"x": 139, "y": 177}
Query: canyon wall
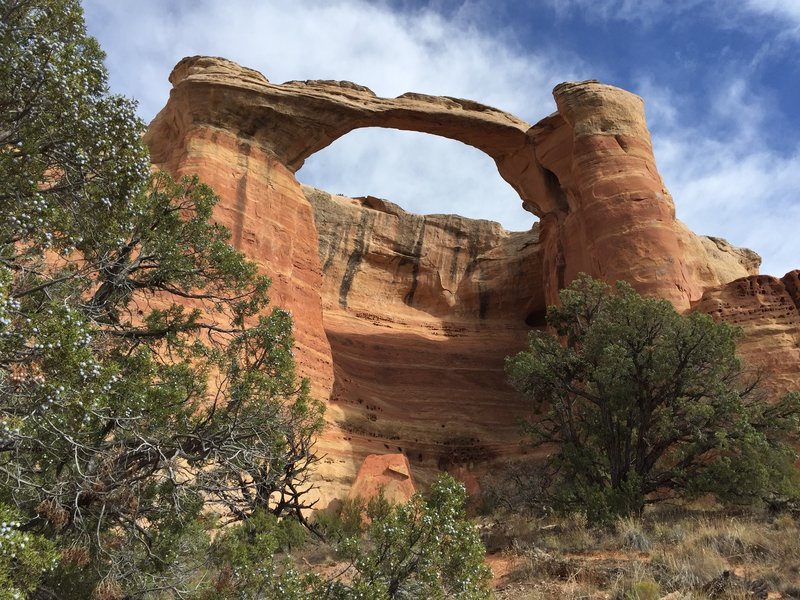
{"x": 420, "y": 313}
{"x": 403, "y": 321}
{"x": 768, "y": 311}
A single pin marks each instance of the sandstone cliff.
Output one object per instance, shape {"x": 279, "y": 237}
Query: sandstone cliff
{"x": 420, "y": 312}
{"x": 768, "y": 311}
{"x": 403, "y": 321}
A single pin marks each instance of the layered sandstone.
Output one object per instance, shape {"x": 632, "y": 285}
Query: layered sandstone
{"x": 614, "y": 218}
{"x": 420, "y": 312}
{"x": 587, "y": 171}
{"x": 403, "y": 321}
{"x": 271, "y": 222}
{"x": 768, "y": 311}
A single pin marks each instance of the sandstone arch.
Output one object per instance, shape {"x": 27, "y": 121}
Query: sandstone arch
{"x": 587, "y": 171}
{"x": 298, "y": 118}
{"x": 422, "y": 173}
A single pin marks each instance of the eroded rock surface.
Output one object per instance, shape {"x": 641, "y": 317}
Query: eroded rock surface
{"x": 587, "y": 171}
{"x": 768, "y": 310}
{"x": 403, "y": 321}
{"x": 387, "y": 474}
{"x": 420, "y": 313}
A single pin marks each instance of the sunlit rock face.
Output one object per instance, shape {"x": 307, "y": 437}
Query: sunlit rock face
{"x": 420, "y": 313}
{"x": 768, "y": 311}
{"x": 403, "y": 321}
{"x": 388, "y": 475}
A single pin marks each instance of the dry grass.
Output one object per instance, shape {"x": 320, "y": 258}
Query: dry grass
{"x": 692, "y": 556}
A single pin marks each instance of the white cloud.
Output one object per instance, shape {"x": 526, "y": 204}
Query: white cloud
{"x": 641, "y": 11}
{"x": 734, "y": 14}
{"x": 424, "y": 174}
{"x": 356, "y": 40}
{"x": 725, "y": 178}
{"x": 788, "y": 11}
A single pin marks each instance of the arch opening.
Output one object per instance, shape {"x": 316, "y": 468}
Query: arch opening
{"x": 421, "y": 308}
{"x": 423, "y": 173}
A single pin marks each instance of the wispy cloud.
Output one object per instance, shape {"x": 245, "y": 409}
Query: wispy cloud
{"x": 622, "y": 10}
{"x": 727, "y": 13}
{"x": 367, "y": 42}
{"x": 726, "y": 179}
{"x": 787, "y": 11}
{"x": 726, "y": 175}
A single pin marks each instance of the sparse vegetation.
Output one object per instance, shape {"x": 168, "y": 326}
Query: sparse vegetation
{"x": 691, "y": 554}
{"x": 425, "y": 548}
{"x": 144, "y": 380}
{"x": 156, "y": 443}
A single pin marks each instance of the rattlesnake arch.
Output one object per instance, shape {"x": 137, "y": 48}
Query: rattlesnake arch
{"x": 402, "y": 322}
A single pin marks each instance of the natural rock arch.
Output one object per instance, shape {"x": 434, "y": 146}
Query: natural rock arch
{"x": 422, "y": 173}
{"x": 587, "y": 171}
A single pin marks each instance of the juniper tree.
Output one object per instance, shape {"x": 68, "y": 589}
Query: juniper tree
{"x": 641, "y": 403}
{"x": 143, "y": 377}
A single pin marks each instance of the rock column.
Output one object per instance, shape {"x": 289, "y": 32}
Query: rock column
{"x": 617, "y": 219}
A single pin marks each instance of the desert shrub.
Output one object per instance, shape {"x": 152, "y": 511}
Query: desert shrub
{"x": 632, "y": 534}
{"x": 348, "y": 519}
{"x": 248, "y": 561}
{"x": 518, "y": 487}
{"x": 24, "y": 556}
{"x": 646, "y": 589}
{"x": 644, "y": 404}
{"x": 425, "y": 548}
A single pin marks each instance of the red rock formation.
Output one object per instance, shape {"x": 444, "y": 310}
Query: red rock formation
{"x": 768, "y": 310}
{"x": 587, "y": 171}
{"x": 389, "y": 474}
{"x": 615, "y": 219}
{"x": 420, "y": 312}
{"x": 403, "y": 321}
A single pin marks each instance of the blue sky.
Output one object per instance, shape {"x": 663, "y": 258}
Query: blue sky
{"x": 720, "y": 79}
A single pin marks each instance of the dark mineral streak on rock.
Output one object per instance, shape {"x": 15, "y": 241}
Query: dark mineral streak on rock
{"x": 354, "y": 260}
{"x": 416, "y": 255}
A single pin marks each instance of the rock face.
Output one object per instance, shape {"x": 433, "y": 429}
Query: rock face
{"x": 403, "y": 321}
{"x": 587, "y": 171}
{"x": 389, "y": 474}
{"x": 270, "y": 220}
{"x": 420, "y": 313}
{"x": 768, "y": 311}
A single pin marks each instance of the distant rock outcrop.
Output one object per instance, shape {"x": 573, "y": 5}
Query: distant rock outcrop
{"x": 403, "y": 321}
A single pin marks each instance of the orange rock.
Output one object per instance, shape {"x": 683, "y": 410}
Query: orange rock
{"x": 420, "y": 312}
{"x": 403, "y": 321}
{"x": 768, "y": 310}
{"x": 389, "y": 473}
{"x": 616, "y": 219}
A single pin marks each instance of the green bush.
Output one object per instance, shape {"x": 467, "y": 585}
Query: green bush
{"x": 425, "y": 548}
{"x": 245, "y": 562}
{"x": 24, "y": 556}
{"x": 642, "y": 403}
{"x": 646, "y": 589}
{"x": 348, "y": 520}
